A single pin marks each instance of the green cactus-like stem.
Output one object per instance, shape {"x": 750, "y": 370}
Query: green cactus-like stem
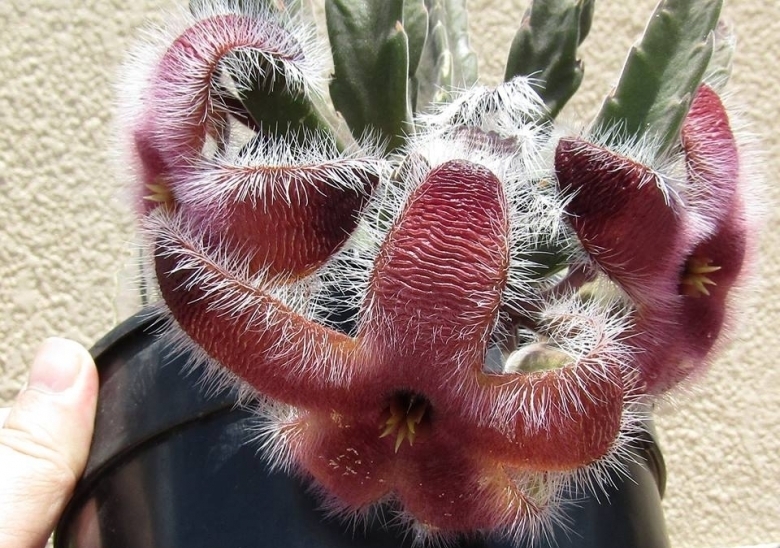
{"x": 719, "y": 69}
{"x": 464, "y": 64}
{"x": 371, "y": 67}
{"x": 447, "y": 62}
{"x": 279, "y": 113}
{"x": 416, "y": 27}
{"x": 545, "y": 48}
{"x": 662, "y": 72}
{"x": 415, "y": 23}
{"x": 433, "y": 78}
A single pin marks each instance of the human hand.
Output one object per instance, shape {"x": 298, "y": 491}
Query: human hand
{"x": 44, "y": 442}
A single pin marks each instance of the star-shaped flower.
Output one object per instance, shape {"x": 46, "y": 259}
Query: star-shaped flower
{"x": 404, "y": 409}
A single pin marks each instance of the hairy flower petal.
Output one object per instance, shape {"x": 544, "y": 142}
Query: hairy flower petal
{"x": 248, "y": 331}
{"x": 623, "y": 217}
{"x": 681, "y": 334}
{"x": 184, "y": 103}
{"x": 437, "y": 282}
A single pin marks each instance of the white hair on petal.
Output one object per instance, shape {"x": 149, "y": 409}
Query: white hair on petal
{"x": 277, "y": 431}
{"x": 264, "y": 171}
{"x": 666, "y": 168}
{"x": 137, "y": 75}
{"x": 506, "y": 109}
{"x": 171, "y": 233}
{"x": 307, "y": 75}
{"x": 212, "y": 377}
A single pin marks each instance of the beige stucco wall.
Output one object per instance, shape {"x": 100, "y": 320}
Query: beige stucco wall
{"x": 64, "y": 232}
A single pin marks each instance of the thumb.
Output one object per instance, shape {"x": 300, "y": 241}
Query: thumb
{"x": 44, "y": 442}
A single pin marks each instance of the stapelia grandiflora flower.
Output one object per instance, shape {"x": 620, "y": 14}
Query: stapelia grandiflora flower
{"x": 676, "y": 248}
{"x": 518, "y": 294}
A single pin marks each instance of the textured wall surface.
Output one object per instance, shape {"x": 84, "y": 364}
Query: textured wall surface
{"x": 64, "y": 232}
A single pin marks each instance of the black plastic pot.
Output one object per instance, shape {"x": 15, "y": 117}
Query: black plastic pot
{"x": 173, "y": 467}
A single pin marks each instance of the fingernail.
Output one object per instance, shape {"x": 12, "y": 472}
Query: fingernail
{"x": 56, "y": 365}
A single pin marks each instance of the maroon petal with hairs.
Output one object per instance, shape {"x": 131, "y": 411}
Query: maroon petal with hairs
{"x": 677, "y": 261}
{"x": 277, "y": 351}
{"x": 440, "y": 273}
{"x": 622, "y": 217}
{"x": 711, "y": 157}
{"x": 182, "y": 105}
{"x": 683, "y": 334}
{"x": 289, "y": 231}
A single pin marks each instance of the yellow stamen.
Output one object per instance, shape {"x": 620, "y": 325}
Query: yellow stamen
{"x": 392, "y": 426}
{"x": 160, "y": 193}
{"x": 704, "y": 269}
{"x": 399, "y": 439}
{"x": 406, "y": 414}
{"x": 696, "y": 279}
